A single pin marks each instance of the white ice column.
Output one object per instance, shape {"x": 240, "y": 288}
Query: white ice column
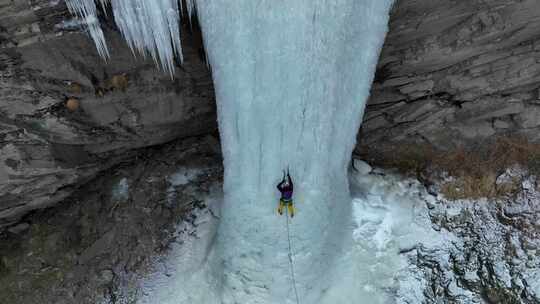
{"x": 291, "y": 79}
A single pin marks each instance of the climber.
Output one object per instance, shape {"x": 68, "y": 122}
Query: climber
{"x": 286, "y": 189}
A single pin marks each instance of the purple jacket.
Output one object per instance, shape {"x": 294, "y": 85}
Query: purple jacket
{"x": 286, "y": 191}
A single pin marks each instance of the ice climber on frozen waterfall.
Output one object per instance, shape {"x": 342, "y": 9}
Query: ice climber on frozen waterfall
{"x": 286, "y": 189}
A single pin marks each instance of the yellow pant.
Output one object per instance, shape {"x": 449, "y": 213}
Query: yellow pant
{"x": 289, "y": 205}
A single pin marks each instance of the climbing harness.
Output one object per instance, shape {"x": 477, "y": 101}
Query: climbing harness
{"x": 290, "y": 257}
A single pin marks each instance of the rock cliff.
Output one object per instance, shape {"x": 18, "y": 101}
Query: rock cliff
{"x": 66, "y": 114}
{"x": 456, "y": 72}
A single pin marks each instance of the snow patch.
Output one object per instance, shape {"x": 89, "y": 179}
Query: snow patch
{"x": 120, "y": 191}
{"x": 361, "y": 166}
{"x": 182, "y": 177}
{"x": 187, "y": 275}
{"x": 391, "y": 219}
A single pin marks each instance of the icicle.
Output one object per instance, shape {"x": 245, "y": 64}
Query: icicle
{"x": 104, "y": 4}
{"x": 149, "y": 27}
{"x": 190, "y": 7}
{"x": 87, "y": 10}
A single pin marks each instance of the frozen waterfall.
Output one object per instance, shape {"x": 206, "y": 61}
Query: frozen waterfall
{"x": 291, "y": 81}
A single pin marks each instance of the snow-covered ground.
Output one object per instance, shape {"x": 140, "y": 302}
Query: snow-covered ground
{"x": 185, "y": 274}
{"x": 390, "y": 218}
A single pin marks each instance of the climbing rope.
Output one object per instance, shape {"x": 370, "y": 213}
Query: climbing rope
{"x": 290, "y": 257}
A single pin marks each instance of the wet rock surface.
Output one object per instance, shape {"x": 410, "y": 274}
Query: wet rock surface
{"x": 456, "y": 72}
{"x": 93, "y": 247}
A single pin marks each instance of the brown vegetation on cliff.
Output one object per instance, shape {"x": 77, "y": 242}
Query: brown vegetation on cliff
{"x": 464, "y": 172}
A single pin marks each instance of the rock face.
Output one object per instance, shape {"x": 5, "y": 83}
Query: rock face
{"x": 66, "y": 114}
{"x": 494, "y": 257}
{"x": 468, "y": 251}
{"x": 456, "y": 72}
{"x": 91, "y": 247}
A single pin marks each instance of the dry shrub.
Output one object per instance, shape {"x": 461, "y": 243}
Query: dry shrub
{"x": 406, "y": 158}
{"x": 74, "y": 88}
{"x": 470, "y": 187}
{"x": 459, "y": 162}
{"x": 475, "y": 187}
{"x": 523, "y": 152}
{"x": 474, "y": 169}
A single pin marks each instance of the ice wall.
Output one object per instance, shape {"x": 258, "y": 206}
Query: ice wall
{"x": 291, "y": 81}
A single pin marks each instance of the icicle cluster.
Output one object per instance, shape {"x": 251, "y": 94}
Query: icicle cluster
{"x": 149, "y": 26}
{"x": 88, "y": 11}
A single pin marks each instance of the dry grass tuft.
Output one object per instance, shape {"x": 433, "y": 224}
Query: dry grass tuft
{"x": 475, "y": 187}
{"x": 474, "y": 171}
